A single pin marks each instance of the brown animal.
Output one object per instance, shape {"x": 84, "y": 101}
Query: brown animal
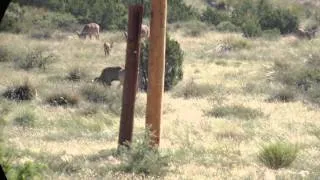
{"x": 110, "y": 74}
{"x": 107, "y": 48}
{"x": 300, "y": 33}
{"x": 89, "y": 29}
{"x": 145, "y": 32}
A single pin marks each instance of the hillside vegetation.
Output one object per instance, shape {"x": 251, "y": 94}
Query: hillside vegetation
{"x": 245, "y": 106}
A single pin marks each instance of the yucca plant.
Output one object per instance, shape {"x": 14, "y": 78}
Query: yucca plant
{"x": 278, "y": 155}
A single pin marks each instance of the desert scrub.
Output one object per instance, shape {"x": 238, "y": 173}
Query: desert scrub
{"x": 22, "y": 92}
{"x": 63, "y": 99}
{"x": 235, "y": 111}
{"x": 6, "y": 54}
{"x": 141, "y": 157}
{"x": 76, "y": 74}
{"x": 195, "y": 28}
{"x": 192, "y": 89}
{"x": 109, "y": 96}
{"x": 25, "y": 117}
{"x": 37, "y": 58}
{"x": 283, "y": 95}
{"x": 278, "y": 155}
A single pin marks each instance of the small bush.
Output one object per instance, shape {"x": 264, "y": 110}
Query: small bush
{"x": 236, "y": 111}
{"x": 25, "y": 118}
{"x": 37, "y": 58}
{"x": 112, "y": 98}
{"x": 143, "y": 158}
{"x": 191, "y": 89}
{"x": 271, "y": 18}
{"x": 5, "y": 54}
{"x": 283, "y": 95}
{"x": 76, "y": 74}
{"x": 178, "y": 10}
{"x": 27, "y": 170}
{"x": 251, "y": 28}
{"x": 228, "y": 27}
{"x": 271, "y": 34}
{"x": 278, "y": 155}
{"x": 21, "y": 92}
{"x": 63, "y": 99}
{"x": 173, "y": 64}
{"x": 212, "y": 16}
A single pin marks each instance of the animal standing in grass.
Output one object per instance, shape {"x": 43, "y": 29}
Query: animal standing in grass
{"x": 107, "y": 48}
{"x": 300, "y": 33}
{"x": 110, "y": 74}
{"x": 145, "y": 32}
{"x": 91, "y": 29}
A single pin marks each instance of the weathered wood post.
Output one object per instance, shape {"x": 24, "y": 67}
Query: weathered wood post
{"x": 130, "y": 81}
{"x": 156, "y": 68}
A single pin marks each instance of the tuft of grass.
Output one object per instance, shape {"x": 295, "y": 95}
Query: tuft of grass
{"x": 25, "y": 118}
{"x": 63, "y": 99}
{"x": 22, "y": 92}
{"x": 195, "y": 28}
{"x": 76, "y": 74}
{"x": 278, "y": 155}
{"x": 283, "y": 95}
{"x": 236, "y": 111}
{"x": 192, "y": 89}
{"x": 141, "y": 157}
{"x": 111, "y": 97}
{"x": 5, "y": 54}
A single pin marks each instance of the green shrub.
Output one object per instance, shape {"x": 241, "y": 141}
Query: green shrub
{"x": 251, "y": 28}
{"x": 179, "y": 11}
{"x": 22, "y": 92}
{"x": 27, "y": 170}
{"x": 212, "y": 16}
{"x": 39, "y": 23}
{"x": 227, "y": 26}
{"x": 236, "y": 111}
{"x": 278, "y": 155}
{"x": 254, "y": 15}
{"x": 173, "y": 64}
{"x": 63, "y": 99}
{"x": 243, "y": 11}
{"x": 25, "y": 118}
{"x": 37, "y": 58}
{"x": 143, "y": 158}
{"x": 270, "y": 18}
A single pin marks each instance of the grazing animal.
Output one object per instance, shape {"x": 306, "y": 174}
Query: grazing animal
{"x": 107, "y": 48}
{"x": 145, "y": 32}
{"x": 110, "y": 74}
{"x": 305, "y": 34}
{"x": 89, "y": 29}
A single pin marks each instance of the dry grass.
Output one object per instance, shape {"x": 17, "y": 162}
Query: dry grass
{"x": 204, "y": 147}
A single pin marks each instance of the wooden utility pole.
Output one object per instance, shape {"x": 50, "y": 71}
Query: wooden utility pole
{"x": 156, "y": 68}
{"x": 130, "y": 81}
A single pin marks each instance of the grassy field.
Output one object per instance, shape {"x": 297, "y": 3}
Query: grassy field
{"x": 215, "y": 121}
